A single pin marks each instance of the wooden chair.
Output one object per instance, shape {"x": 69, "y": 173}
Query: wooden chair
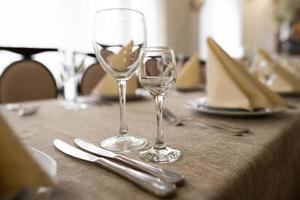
{"x": 26, "y": 80}
{"x": 90, "y": 78}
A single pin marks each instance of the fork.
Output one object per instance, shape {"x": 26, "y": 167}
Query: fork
{"x": 180, "y": 121}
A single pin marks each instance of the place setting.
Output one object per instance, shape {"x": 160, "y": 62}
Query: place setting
{"x": 22, "y": 110}
{"x": 275, "y": 75}
{"x": 232, "y": 91}
{"x": 155, "y": 77}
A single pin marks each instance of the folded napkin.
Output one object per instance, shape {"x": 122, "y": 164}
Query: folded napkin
{"x": 18, "y": 170}
{"x": 119, "y": 62}
{"x": 284, "y": 81}
{"x": 291, "y": 63}
{"x": 230, "y": 85}
{"x": 109, "y": 87}
{"x": 190, "y": 75}
{"x": 122, "y": 59}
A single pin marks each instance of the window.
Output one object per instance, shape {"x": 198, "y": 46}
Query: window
{"x": 67, "y": 23}
{"x": 222, "y": 21}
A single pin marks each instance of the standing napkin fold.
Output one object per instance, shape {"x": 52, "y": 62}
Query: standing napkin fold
{"x": 119, "y": 62}
{"x": 284, "y": 81}
{"x": 230, "y": 85}
{"x": 18, "y": 170}
{"x": 109, "y": 87}
{"x": 122, "y": 59}
{"x": 190, "y": 76}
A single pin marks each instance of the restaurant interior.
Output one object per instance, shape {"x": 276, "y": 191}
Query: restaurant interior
{"x": 149, "y": 99}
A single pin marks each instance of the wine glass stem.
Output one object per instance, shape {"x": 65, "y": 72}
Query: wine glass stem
{"x": 122, "y": 97}
{"x": 160, "y": 143}
{"x": 70, "y": 89}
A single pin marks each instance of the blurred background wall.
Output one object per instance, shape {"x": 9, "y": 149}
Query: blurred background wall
{"x": 238, "y": 25}
{"x": 258, "y": 25}
{"x": 182, "y": 26}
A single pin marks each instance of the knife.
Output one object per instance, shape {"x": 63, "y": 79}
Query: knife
{"x": 147, "y": 182}
{"x": 163, "y": 174}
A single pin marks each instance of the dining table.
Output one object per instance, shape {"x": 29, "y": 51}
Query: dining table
{"x": 216, "y": 164}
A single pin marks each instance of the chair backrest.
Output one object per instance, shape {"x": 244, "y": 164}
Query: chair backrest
{"x": 90, "y": 78}
{"x": 26, "y": 80}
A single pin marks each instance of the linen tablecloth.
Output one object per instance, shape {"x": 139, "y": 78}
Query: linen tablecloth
{"x": 264, "y": 164}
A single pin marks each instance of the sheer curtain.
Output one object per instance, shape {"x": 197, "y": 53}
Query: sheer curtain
{"x": 29, "y": 23}
{"x": 222, "y": 21}
{"x": 67, "y": 23}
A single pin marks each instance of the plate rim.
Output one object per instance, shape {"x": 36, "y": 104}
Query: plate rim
{"x": 219, "y": 111}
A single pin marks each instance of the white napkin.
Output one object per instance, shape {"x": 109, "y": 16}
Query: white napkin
{"x": 230, "y": 85}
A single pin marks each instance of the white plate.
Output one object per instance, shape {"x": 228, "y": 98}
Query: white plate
{"x": 199, "y": 104}
{"x": 49, "y": 165}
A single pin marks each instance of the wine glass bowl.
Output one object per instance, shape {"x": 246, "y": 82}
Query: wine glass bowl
{"x": 119, "y": 34}
{"x": 157, "y": 74}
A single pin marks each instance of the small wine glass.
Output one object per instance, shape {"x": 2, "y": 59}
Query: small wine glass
{"x": 157, "y": 75}
{"x": 72, "y": 70}
{"x": 119, "y": 34}
{"x": 263, "y": 69}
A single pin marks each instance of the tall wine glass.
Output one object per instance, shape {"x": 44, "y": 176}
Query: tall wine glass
{"x": 119, "y": 34}
{"x": 157, "y": 74}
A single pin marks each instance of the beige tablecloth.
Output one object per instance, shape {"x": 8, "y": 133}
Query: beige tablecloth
{"x": 217, "y": 165}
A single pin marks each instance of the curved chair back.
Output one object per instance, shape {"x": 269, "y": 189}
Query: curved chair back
{"x": 26, "y": 80}
{"x": 90, "y": 78}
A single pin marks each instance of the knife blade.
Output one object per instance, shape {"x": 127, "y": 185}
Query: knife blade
{"x": 149, "y": 183}
{"x": 72, "y": 151}
{"x": 164, "y": 174}
{"x": 94, "y": 149}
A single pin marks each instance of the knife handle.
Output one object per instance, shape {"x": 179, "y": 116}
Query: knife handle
{"x": 163, "y": 174}
{"x": 147, "y": 182}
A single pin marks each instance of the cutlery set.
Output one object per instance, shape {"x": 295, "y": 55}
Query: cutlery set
{"x": 180, "y": 121}
{"x": 158, "y": 181}
{"x": 22, "y": 110}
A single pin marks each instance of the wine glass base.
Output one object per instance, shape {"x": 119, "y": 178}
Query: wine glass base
{"x": 124, "y": 143}
{"x": 163, "y": 155}
{"x": 73, "y": 105}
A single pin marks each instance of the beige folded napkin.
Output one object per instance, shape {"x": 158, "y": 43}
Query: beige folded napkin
{"x": 284, "y": 81}
{"x": 18, "y": 170}
{"x": 190, "y": 75}
{"x": 122, "y": 59}
{"x": 109, "y": 87}
{"x": 119, "y": 62}
{"x": 230, "y": 85}
{"x": 291, "y": 63}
